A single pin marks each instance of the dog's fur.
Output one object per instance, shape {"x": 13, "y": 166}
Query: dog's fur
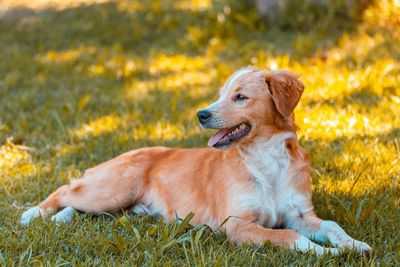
{"x": 261, "y": 180}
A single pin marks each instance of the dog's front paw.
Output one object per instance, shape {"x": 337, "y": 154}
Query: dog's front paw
{"x": 305, "y": 245}
{"x": 338, "y": 237}
{"x": 29, "y": 215}
{"x": 358, "y": 246}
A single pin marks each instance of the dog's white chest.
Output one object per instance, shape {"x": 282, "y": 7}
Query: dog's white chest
{"x": 272, "y": 198}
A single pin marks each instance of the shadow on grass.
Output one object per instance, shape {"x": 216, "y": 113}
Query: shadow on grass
{"x": 161, "y": 26}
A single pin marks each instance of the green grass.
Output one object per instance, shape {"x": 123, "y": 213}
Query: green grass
{"x": 80, "y": 84}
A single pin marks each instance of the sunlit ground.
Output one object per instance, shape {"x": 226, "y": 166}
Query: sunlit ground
{"x": 83, "y": 81}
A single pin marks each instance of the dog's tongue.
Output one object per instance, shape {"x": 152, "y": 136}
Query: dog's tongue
{"x": 216, "y": 137}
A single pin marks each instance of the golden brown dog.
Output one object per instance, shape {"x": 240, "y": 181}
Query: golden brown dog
{"x": 255, "y": 172}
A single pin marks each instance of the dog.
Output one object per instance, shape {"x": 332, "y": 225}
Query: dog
{"x": 255, "y": 173}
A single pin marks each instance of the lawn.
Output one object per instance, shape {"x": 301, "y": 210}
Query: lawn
{"x": 82, "y": 83}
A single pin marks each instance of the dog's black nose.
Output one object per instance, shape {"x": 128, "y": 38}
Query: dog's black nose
{"x": 203, "y": 115}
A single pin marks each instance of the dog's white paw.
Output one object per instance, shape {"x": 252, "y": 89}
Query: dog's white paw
{"x": 64, "y": 216}
{"x": 357, "y": 246}
{"x": 29, "y": 215}
{"x": 338, "y": 237}
{"x": 363, "y": 247}
{"x": 306, "y": 245}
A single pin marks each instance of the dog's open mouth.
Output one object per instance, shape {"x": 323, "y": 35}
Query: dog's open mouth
{"x": 227, "y": 136}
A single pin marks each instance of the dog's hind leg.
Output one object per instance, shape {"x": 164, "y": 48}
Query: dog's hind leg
{"x": 45, "y": 207}
{"x": 109, "y": 187}
{"x": 64, "y": 216}
{"x": 92, "y": 194}
{"x": 101, "y": 190}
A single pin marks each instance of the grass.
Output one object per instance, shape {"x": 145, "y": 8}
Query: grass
{"x": 80, "y": 84}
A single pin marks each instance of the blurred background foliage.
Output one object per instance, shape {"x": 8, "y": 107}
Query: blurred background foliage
{"x": 83, "y": 81}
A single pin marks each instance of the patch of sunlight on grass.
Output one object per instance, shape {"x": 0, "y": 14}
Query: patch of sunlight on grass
{"x": 364, "y": 172}
{"x": 103, "y": 124}
{"x": 328, "y": 109}
{"x": 110, "y": 61}
{"x": 124, "y": 66}
{"x": 193, "y": 4}
{"x": 96, "y": 69}
{"x": 193, "y": 81}
{"x": 40, "y": 4}
{"x": 384, "y": 13}
{"x": 263, "y": 61}
{"x": 164, "y": 63}
{"x": 137, "y": 89}
{"x": 160, "y": 130}
{"x": 323, "y": 80}
{"x": 64, "y": 56}
{"x": 330, "y": 123}
{"x": 130, "y": 6}
{"x": 14, "y": 160}
{"x": 187, "y": 78}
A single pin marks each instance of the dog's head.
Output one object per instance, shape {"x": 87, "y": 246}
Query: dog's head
{"x": 252, "y": 103}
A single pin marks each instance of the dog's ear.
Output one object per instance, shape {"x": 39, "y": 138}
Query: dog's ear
{"x": 285, "y": 89}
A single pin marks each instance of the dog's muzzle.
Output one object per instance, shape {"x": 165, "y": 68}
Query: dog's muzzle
{"x": 204, "y": 116}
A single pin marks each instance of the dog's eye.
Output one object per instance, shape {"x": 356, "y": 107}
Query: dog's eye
{"x": 240, "y": 97}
